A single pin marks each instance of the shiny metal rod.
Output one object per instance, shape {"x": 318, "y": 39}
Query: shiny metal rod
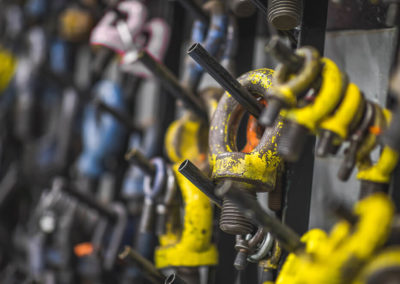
{"x": 138, "y": 159}
{"x": 225, "y": 79}
{"x": 174, "y": 279}
{"x": 195, "y": 9}
{"x": 261, "y": 6}
{"x": 150, "y": 270}
{"x": 121, "y": 117}
{"x": 200, "y": 180}
{"x": 171, "y": 83}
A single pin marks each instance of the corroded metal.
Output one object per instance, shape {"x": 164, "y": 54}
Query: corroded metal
{"x": 259, "y": 167}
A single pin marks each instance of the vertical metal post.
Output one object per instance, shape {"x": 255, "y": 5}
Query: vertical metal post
{"x": 300, "y": 174}
{"x": 393, "y": 102}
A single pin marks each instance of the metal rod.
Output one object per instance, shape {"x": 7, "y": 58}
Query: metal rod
{"x": 153, "y": 274}
{"x": 174, "y": 279}
{"x": 252, "y": 209}
{"x": 98, "y": 66}
{"x": 222, "y": 76}
{"x": 138, "y": 159}
{"x": 200, "y": 180}
{"x": 260, "y": 5}
{"x": 195, "y": 9}
{"x": 171, "y": 83}
{"x": 121, "y": 117}
{"x": 284, "y": 53}
{"x": 91, "y": 202}
{"x": 300, "y": 173}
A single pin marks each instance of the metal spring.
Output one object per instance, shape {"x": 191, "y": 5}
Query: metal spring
{"x": 284, "y": 14}
{"x": 232, "y": 221}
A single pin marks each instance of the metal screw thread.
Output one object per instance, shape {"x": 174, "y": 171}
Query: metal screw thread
{"x": 284, "y": 14}
{"x": 275, "y": 198}
{"x": 232, "y": 220}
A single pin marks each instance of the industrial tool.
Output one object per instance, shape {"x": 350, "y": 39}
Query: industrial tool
{"x": 284, "y": 15}
{"x": 326, "y": 105}
{"x": 103, "y": 136}
{"x": 8, "y": 68}
{"x": 27, "y": 89}
{"x": 285, "y": 90}
{"x": 383, "y": 268}
{"x": 75, "y": 24}
{"x": 185, "y": 244}
{"x": 212, "y": 40}
{"x": 259, "y": 169}
{"x": 191, "y": 245}
{"x": 55, "y": 217}
{"x": 318, "y": 257}
{"x": 170, "y": 82}
{"x": 242, "y": 8}
{"x": 126, "y": 29}
{"x": 132, "y": 13}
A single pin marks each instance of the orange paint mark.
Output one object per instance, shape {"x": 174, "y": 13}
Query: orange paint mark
{"x": 376, "y": 130}
{"x": 254, "y": 132}
{"x": 83, "y": 249}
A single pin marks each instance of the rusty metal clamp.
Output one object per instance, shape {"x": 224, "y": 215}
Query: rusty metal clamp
{"x": 256, "y": 167}
{"x": 259, "y": 167}
{"x": 297, "y": 72}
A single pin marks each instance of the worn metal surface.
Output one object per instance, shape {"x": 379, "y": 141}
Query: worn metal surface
{"x": 284, "y": 14}
{"x": 224, "y": 78}
{"x": 200, "y": 180}
{"x": 260, "y": 166}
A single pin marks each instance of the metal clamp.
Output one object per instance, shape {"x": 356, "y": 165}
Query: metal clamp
{"x": 153, "y": 188}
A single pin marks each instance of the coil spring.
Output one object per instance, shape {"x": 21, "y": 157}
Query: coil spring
{"x": 284, "y": 14}
{"x": 232, "y": 220}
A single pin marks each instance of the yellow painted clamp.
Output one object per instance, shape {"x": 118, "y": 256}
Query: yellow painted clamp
{"x": 187, "y": 138}
{"x": 336, "y": 128}
{"x": 7, "y": 68}
{"x": 338, "y": 257}
{"x": 258, "y": 167}
{"x": 286, "y": 86}
{"x": 332, "y": 89}
{"x": 385, "y": 262}
{"x": 381, "y": 171}
{"x": 193, "y": 247}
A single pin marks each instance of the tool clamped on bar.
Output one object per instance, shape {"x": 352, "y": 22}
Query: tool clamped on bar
{"x": 105, "y": 223}
{"x": 160, "y": 193}
{"x": 315, "y": 97}
{"x": 103, "y": 136}
{"x": 348, "y": 254}
{"x": 258, "y": 169}
{"x": 84, "y": 85}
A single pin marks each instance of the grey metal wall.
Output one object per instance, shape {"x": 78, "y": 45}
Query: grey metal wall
{"x": 366, "y": 57}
